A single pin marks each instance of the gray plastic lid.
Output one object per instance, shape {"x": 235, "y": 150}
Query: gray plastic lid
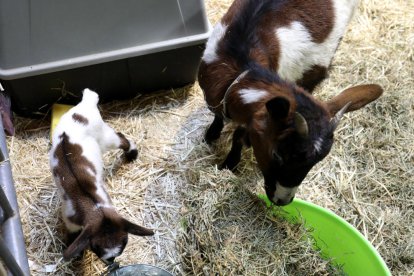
{"x": 44, "y": 36}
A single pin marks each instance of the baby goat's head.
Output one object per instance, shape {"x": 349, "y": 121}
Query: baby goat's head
{"x": 294, "y": 131}
{"x": 106, "y": 235}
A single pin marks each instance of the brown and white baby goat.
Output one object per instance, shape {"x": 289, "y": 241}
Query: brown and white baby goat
{"x": 78, "y": 142}
{"x": 260, "y": 66}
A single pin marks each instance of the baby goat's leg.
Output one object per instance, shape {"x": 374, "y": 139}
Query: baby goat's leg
{"x": 233, "y": 158}
{"x": 116, "y": 140}
{"x": 214, "y": 131}
{"x": 71, "y": 237}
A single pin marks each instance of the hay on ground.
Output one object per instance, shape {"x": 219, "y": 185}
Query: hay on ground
{"x": 208, "y": 221}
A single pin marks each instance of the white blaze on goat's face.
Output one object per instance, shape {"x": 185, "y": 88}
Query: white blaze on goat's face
{"x": 210, "y": 53}
{"x": 111, "y": 252}
{"x": 284, "y": 195}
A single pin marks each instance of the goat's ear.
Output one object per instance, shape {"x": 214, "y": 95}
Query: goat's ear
{"x": 357, "y": 97}
{"x": 78, "y": 245}
{"x": 278, "y": 108}
{"x": 135, "y": 229}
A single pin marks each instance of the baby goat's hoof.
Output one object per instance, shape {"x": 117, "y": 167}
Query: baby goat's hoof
{"x": 211, "y": 137}
{"x": 131, "y": 155}
{"x": 228, "y": 166}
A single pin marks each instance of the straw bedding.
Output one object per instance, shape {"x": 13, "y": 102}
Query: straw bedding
{"x": 209, "y": 221}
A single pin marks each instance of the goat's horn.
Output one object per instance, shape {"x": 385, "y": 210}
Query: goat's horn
{"x": 337, "y": 118}
{"x": 301, "y": 125}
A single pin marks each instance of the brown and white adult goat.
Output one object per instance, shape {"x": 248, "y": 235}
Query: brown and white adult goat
{"x": 260, "y": 66}
{"x": 78, "y": 142}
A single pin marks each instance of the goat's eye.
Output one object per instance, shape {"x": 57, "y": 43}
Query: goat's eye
{"x": 276, "y": 157}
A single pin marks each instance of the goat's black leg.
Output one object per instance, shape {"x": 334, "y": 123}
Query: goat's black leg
{"x": 110, "y": 140}
{"x": 71, "y": 237}
{"x": 129, "y": 148}
{"x": 233, "y": 158}
{"x": 214, "y": 131}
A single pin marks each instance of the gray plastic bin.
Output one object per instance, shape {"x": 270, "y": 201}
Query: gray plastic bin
{"x": 118, "y": 48}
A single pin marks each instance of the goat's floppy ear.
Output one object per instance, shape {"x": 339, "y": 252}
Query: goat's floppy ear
{"x": 78, "y": 245}
{"x": 135, "y": 229}
{"x": 278, "y": 108}
{"x": 357, "y": 97}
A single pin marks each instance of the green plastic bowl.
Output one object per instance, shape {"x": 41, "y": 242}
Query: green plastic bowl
{"x": 335, "y": 238}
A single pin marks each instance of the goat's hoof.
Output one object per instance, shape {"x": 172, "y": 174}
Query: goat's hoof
{"x": 225, "y": 165}
{"x": 210, "y": 137}
{"x": 131, "y": 155}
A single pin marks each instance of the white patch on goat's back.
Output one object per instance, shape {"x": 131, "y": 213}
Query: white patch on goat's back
{"x": 111, "y": 252}
{"x": 251, "y": 95}
{"x": 284, "y": 193}
{"x": 344, "y": 11}
{"x": 298, "y": 53}
{"x": 210, "y": 53}
{"x": 295, "y": 42}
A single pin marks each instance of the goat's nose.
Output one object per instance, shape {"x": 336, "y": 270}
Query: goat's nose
{"x": 112, "y": 267}
{"x": 109, "y": 261}
{"x": 280, "y": 202}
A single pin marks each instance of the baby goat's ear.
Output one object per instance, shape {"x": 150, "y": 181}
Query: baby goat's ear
{"x": 351, "y": 99}
{"x": 78, "y": 245}
{"x": 278, "y": 108}
{"x": 357, "y": 97}
{"x": 134, "y": 229}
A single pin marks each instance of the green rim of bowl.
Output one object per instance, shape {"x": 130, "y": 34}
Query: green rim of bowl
{"x": 336, "y": 239}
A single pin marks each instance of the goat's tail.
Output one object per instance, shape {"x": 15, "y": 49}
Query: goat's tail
{"x": 90, "y": 97}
